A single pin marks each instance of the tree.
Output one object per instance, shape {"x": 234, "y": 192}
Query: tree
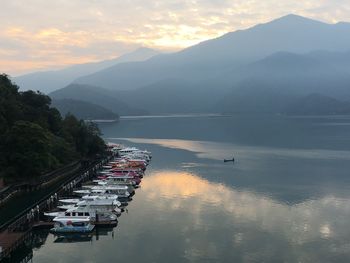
{"x": 28, "y": 150}
{"x": 35, "y": 139}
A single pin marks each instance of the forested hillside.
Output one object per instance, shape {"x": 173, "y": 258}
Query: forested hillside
{"x": 35, "y": 138}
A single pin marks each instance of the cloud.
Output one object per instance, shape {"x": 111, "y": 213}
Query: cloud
{"x": 63, "y": 27}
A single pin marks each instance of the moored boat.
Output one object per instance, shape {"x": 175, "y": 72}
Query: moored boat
{"x": 67, "y": 224}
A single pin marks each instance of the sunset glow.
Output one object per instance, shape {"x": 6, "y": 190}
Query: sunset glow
{"x": 82, "y": 31}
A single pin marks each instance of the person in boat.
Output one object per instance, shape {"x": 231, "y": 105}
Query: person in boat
{"x": 230, "y": 160}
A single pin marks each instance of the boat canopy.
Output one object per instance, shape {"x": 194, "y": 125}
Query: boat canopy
{"x": 64, "y": 219}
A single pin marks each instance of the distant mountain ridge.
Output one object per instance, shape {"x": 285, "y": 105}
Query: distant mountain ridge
{"x": 48, "y": 81}
{"x": 317, "y": 104}
{"x": 265, "y": 68}
{"x": 291, "y": 33}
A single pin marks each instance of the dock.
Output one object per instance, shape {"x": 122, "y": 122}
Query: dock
{"x": 15, "y": 232}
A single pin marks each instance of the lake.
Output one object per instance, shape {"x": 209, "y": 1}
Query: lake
{"x": 285, "y": 199}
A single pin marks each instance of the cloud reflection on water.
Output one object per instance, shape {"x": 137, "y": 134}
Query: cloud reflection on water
{"x": 298, "y": 226}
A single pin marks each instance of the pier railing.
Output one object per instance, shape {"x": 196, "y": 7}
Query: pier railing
{"x": 9, "y": 192}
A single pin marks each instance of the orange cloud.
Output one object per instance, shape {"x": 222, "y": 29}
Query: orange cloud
{"x": 298, "y": 224}
{"x": 99, "y": 30}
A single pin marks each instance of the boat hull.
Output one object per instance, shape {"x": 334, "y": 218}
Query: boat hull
{"x": 72, "y": 229}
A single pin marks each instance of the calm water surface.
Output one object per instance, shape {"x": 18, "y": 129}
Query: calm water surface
{"x": 286, "y": 198}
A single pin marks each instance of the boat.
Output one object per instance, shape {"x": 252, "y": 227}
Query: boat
{"x": 127, "y": 150}
{"x": 121, "y": 173}
{"x": 96, "y": 215}
{"x": 119, "y": 180}
{"x": 93, "y": 196}
{"x": 65, "y": 207}
{"x": 53, "y": 214}
{"x": 105, "y": 204}
{"x": 126, "y": 171}
{"x": 99, "y": 205}
{"x": 89, "y": 196}
{"x": 120, "y": 190}
{"x": 114, "y": 147}
{"x": 136, "y": 172}
{"x": 69, "y": 201}
{"x": 69, "y": 224}
{"x": 83, "y": 192}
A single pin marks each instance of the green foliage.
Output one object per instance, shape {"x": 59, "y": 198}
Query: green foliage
{"x": 28, "y": 150}
{"x": 34, "y": 138}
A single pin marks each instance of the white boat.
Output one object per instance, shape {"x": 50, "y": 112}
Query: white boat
{"x": 68, "y": 224}
{"x": 95, "y": 214}
{"x": 90, "y": 196}
{"x": 53, "y": 214}
{"x": 83, "y": 192}
{"x": 137, "y": 155}
{"x": 143, "y": 152}
{"x": 65, "y": 207}
{"x": 100, "y": 203}
{"x": 114, "y": 146}
{"x": 99, "y": 206}
{"x": 100, "y": 182}
{"x": 120, "y": 190}
{"x": 135, "y": 160}
{"x": 128, "y": 150}
{"x": 94, "y": 196}
{"x": 105, "y": 187}
{"x": 117, "y": 180}
{"x": 69, "y": 200}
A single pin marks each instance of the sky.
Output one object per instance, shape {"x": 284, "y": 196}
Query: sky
{"x": 44, "y": 34}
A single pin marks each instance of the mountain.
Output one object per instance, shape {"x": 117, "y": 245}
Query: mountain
{"x": 48, "y": 81}
{"x": 261, "y": 69}
{"x": 317, "y": 104}
{"x": 268, "y": 85}
{"x": 169, "y": 96}
{"x": 83, "y": 110}
{"x": 210, "y": 58}
{"x": 98, "y": 96}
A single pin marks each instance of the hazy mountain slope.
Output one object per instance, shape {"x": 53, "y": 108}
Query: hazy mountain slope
{"x": 48, "y": 81}
{"x": 170, "y": 96}
{"x": 317, "y": 104}
{"x": 272, "y": 83}
{"x": 98, "y": 96}
{"x": 267, "y": 85}
{"x": 290, "y": 33}
{"x": 83, "y": 110}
